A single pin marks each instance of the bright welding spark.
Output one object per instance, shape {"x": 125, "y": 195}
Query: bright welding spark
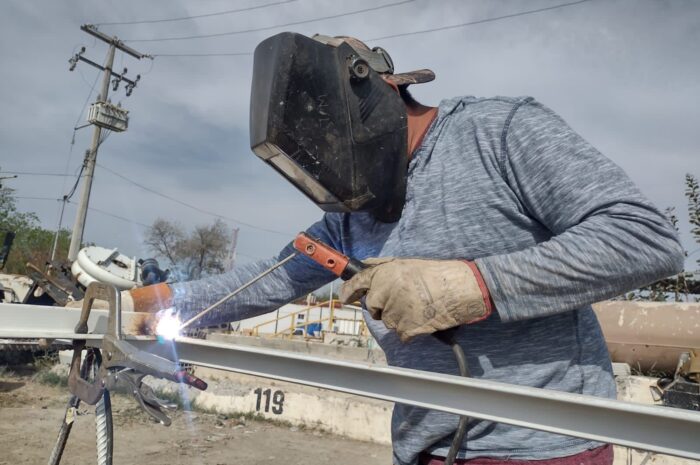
{"x": 168, "y": 327}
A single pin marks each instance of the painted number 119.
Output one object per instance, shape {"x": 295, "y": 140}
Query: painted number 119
{"x": 276, "y": 399}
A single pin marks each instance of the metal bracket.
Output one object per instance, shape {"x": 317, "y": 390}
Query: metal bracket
{"x": 124, "y": 365}
{"x": 86, "y": 391}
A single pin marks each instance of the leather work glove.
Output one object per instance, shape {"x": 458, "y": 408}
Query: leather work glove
{"x": 416, "y": 296}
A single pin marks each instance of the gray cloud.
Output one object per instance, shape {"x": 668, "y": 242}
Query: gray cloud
{"x": 623, "y": 73}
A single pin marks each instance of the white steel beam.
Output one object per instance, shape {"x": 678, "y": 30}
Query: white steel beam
{"x": 658, "y": 429}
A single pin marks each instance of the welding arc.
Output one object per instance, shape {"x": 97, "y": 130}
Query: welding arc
{"x": 237, "y": 291}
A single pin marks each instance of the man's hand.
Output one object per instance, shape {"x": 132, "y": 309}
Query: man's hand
{"x": 415, "y": 296}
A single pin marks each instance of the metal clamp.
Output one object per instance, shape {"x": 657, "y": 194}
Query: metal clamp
{"x": 86, "y": 391}
{"x": 123, "y": 366}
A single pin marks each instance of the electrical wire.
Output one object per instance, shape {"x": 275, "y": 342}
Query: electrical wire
{"x": 225, "y": 54}
{"x": 114, "y": 216}
{"x": 405, "y": 34}
{"x": 89, "y": 208}
{"x": 480, "y": 21}
{"x": 266, "y": 28}
{"x": 70, "y": 194}
{"x": 32, "y": 173}
{"x": 190, "y": 206}
{"x": 207, "y": 15}
{"x": 37, "y": 198}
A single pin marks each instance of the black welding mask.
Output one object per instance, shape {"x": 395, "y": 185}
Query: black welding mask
{"x": 323, "y": 117}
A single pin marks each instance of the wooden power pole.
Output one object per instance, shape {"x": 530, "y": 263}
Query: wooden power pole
{"x": 104, "y": 116}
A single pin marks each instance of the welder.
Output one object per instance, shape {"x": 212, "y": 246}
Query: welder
{"x": 486, "y": 214}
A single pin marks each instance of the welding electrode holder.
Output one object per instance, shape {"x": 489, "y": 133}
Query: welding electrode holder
{"x": 346, "y": 267}
{"x": 340, "y": 265}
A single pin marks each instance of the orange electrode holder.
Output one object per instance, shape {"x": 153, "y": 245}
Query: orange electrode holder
{"x": 326, "y": 256}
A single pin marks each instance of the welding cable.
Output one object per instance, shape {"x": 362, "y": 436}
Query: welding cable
{"x": 345, "y": 268}
{"x": 448, "y": 337}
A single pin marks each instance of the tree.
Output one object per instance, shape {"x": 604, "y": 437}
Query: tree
{"x": 10, "y": 218}
{"x": 192, "y": 255}
{"x": 692, "y": 193}
{"x": 32, "y": 242}
{"x": 679, "y": 286}
{"x": 163, "y": 238}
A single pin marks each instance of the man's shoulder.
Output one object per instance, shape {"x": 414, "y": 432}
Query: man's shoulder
{"x": 472, "y": 104}
{"x": 490, "y": 113}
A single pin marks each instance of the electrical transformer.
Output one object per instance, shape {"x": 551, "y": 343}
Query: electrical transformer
{"x": 108, "y": 116}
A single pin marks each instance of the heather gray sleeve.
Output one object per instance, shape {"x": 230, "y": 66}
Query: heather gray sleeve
{"x": 295, "y": 279}
{"x": 607, "y": 238}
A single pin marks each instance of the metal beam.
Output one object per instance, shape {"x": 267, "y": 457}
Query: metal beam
{"x": 36, "y": 321}
{"x": 658, "y": 429}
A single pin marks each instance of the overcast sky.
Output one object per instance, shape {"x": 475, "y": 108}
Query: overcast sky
{"x": 624, "y": 73}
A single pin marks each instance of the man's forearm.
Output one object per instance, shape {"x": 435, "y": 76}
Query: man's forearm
{"x": 190, "y": 298}
{"x": 610, "y": 253}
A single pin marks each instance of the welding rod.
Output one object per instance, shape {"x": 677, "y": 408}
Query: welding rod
{"x": 237, "y": 291}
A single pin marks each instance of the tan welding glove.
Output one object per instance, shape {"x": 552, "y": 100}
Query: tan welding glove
{"x": 415, "y": 296}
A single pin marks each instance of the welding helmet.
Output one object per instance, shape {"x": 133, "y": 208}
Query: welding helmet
{"x": 322, "y": 116}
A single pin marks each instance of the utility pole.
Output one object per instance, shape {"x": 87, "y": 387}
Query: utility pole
{"x": 103, "y": 115}
{"x": 228, "y": 265}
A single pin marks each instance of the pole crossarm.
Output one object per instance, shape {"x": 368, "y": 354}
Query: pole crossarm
{"x": 102, "y": 68}
{"x": 93, "y": 31}
{"x": 657, "y": 429}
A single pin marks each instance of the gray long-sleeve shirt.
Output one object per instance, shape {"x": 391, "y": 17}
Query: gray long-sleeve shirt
{"x": 553, "y": 226}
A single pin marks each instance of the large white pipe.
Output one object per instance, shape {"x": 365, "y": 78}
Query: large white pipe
{"x": 649, "y": 335}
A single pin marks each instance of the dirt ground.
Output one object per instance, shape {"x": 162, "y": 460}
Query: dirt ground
{"x": 31, "y": 412}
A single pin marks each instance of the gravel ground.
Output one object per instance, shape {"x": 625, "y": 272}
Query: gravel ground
{"x": 31, "y": 412}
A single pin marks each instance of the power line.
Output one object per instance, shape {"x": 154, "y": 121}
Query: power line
{"x": 207, "y": 15}
{"x": 114, "y": 216}
{"x": 480, "y": 21}
{"x": 266, "y": 28}
{"x": 69, "y": 195}
{"x": 37, "y": 198}
{"x": 225, "y": 54}
{"x": 32, "y": 173}
{"x": 404, "y": 34}
{"x": 106, "y": 213}
{"x": 193, "y": 207}
{"x": 89, "y": 208}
